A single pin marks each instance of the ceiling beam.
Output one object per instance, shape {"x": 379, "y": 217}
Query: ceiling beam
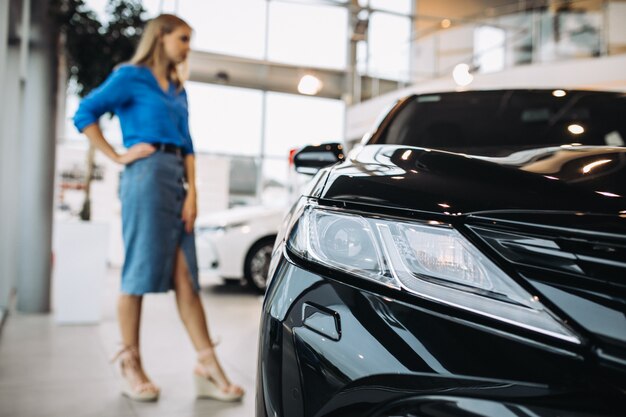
{"x": 208, "y": 67}
{"x": 263, "y": 75}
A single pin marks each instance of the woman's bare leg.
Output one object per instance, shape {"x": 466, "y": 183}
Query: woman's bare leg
{"x": 129, "y": 317}
{"x": 190, "y": 306}
{"x": 192, "y": 314}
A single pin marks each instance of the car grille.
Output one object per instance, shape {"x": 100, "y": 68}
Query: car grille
{"x": 593, "y": 264}
{"x": 581, "y": 273}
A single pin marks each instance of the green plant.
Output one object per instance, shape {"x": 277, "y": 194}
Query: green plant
{"x": 93, "y": 48}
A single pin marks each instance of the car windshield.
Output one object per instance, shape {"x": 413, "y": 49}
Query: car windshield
{"x": 494, "y": 122}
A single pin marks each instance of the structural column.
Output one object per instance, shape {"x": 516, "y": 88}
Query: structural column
{"x": 36, "y": 148}
{"x": 6, "y": 281}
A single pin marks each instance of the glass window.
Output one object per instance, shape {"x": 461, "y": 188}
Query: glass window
{"x": 309, "y": 35}
{"x": 389, "y": 44}
{"x": 489, "y": 45}
{"x": 156, "y": 7}
{"x": 293, "y": 121}
{"x": 233, "y": 27}
{"x": 225, "y": 119}
{"x": 276, "y": 171}
{"x": 361, "y": 57}
{"x": 69, "y": 130}
{"x": 396, "y": 6}
{"x": 152, "y": 7}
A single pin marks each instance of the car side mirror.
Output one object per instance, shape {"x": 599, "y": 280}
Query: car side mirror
{"x": 312, "y": 158}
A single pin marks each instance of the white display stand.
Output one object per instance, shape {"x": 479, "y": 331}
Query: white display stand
{"x": 80, "y": 262}
{"x": 212, "y": 183}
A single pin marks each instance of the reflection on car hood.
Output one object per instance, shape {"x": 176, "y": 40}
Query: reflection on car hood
{"x": 242, "y": 214}
{"x": 564, "y": 178}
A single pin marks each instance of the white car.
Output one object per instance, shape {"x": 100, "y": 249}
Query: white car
{"x": 238, "y": 242}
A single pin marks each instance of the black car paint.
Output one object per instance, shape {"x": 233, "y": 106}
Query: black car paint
{"x": 444, "y": 182}
{"x": 336, "y": 345}
{"x": 421, "y": 348}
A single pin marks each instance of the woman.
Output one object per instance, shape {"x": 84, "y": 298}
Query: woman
{"x": 158, "y": 197}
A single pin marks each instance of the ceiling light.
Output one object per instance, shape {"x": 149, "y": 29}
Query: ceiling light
{"x": 461, "y": 75}
{"x": 559, "y": 93}
{"x": 446, "y": 23}
{"x": 309, "y": 85}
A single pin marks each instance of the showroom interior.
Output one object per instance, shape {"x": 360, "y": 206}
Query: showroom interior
{"x": 265, "y": 78}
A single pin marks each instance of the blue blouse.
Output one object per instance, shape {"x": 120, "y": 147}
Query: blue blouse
{"x": 146, "y": 112}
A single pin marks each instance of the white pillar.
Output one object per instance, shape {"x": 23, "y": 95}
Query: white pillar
{"x": 6, "y": 281}
{"x": 35, "y": 173}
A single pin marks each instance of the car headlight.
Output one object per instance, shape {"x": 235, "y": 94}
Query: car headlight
{"x": 222, "y": 228}
{"x": 431, "y": 260}
{"x": 205, "y": 232}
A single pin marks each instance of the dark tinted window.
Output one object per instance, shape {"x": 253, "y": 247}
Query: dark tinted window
{"x": 485, "y": 122}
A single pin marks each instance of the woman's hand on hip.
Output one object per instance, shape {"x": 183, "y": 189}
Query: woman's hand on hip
{"x": 189, "y": 212}
{"x": 135, "y": 152}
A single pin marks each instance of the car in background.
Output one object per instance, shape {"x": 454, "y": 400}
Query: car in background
{"x": 468, "y": 260}
{"x": 237, "y": 243}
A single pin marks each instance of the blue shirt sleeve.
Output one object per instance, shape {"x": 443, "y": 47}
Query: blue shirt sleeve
{"x": 111, "y": 94}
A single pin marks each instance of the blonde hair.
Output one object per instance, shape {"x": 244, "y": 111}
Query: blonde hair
{"x": 150, "y": 49}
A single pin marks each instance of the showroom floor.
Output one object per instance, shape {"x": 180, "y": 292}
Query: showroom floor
{"x": 51, "y": 370}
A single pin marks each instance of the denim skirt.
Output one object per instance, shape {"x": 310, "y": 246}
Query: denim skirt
{"x": 152, "y": 193}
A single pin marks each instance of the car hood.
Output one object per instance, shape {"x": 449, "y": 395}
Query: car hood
{"x": 574, "y": 179}
{"x": 556, "y": 215}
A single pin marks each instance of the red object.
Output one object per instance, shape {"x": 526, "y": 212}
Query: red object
{"x": 292, "y": 152}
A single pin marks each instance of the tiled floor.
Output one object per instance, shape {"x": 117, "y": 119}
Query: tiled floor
{"x": 51, "y": 370}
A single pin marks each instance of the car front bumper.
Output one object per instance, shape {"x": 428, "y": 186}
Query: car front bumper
{"x": 334, "y": 345}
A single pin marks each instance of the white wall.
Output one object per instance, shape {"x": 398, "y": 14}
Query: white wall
{"x": 616, "y": 29}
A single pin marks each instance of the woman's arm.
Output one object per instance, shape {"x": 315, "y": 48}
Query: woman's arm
{"x": 115, "y": 91}
{"x": 138, "y": 151}
{"x": 189, "y": 207}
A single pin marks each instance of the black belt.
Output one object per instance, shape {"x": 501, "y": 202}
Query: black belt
{"x": 168, "y": 148}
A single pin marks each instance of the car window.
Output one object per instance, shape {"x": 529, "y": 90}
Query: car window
{"x": 485, "y": 122}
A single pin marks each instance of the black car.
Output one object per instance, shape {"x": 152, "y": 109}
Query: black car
{"x": 468, "y": 260}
